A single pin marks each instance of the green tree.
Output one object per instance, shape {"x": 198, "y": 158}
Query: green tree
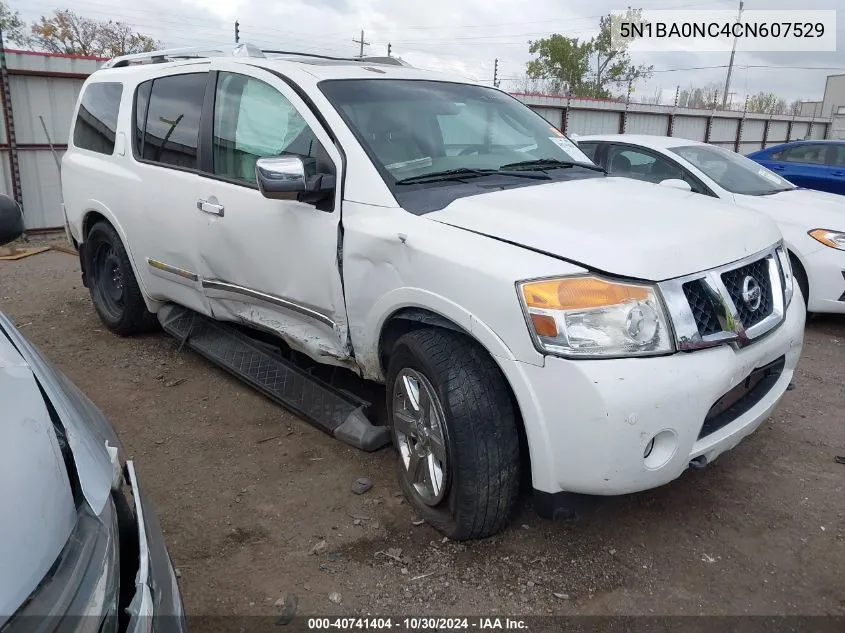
{"x": 73, "y": 34}
{"x": 590, "y": 68}
{"x": 561, "y": 61}
{"x": 14, "y": 29}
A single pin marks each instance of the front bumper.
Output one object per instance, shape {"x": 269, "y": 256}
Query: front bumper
{"x": 825, "y": 270}
{"x": 157, "y": 603}
{"x": 589, "y": 422}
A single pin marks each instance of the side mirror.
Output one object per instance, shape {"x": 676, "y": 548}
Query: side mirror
{"x": 283, "y": 178}
{"x": 11, "y": 220}
{"x": 676, "y": 183}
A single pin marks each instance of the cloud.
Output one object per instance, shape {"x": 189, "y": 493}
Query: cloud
{"x": 463, "y": 37}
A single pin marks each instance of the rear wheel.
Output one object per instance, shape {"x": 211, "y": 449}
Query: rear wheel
{"x": 455, "y": 429}
{"x": 114, "y": 289}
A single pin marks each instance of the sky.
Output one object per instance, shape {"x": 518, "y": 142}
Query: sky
{"x": 462, "y": 37}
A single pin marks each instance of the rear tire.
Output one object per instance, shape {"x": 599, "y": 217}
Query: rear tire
{"x": 448, "y": 405}
{"x": 111, "y": 281}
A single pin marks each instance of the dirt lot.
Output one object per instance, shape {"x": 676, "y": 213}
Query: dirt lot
{"x": 247, "y": 493}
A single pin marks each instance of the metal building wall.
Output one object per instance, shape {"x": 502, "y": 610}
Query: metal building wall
{"x": 735, "y": 130}
{"x": 44, "y": 86}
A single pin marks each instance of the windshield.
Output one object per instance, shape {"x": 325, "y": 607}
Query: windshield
{"x": 732, "y": 171}
{"x": 413, "y": 129}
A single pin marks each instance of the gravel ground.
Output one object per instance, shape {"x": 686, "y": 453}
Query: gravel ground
{"x": 256, "y": 504}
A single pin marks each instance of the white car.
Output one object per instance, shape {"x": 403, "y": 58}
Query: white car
{"x": 812, "y": 222}
{"x": 532, "y": 319}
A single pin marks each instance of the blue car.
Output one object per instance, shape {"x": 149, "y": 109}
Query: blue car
{"x": 818, "y": 165}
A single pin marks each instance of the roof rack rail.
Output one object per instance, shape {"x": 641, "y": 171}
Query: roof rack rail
{"x": 315, "y": 55}
{"x": 394, "y": 61}
{"x": 173, "y": 54}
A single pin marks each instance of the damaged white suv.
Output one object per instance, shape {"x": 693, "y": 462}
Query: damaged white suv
{"x": 532, "y": 318}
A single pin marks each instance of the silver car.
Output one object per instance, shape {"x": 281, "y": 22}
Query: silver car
{"x": 80, "y": 547}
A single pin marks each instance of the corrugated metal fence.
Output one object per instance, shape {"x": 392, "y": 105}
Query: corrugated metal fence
{"x": 41, "y": 86}
{"x": 740, "y": 131}
{"x": 46, "y": 86}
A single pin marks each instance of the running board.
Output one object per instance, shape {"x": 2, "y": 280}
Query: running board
{"x": 329, "y": 409}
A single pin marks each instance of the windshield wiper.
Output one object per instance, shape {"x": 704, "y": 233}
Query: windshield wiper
{"x": 550, "y": 163}
{"x": 460, "y": 173}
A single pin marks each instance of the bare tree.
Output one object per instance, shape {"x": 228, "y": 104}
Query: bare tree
{"x": 70, "y": 33}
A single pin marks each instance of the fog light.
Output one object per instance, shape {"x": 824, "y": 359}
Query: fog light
{"x": 660, "y": 449}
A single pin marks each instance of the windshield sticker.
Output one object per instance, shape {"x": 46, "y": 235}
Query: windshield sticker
{"x": 527, "y": 148}
{"x": 770, "y": 176}
{"x": 570, "y": 148}
{"x": 405, "y": 164}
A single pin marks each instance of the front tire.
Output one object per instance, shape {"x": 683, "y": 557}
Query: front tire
{"x": 455, "y": 429}
{"x": 800, "y": 277}
{"x": 111, "y": 281}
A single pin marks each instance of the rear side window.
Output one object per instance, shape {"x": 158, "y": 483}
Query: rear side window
{"x": 96, "y": 121}
{"x": 170, "y": 130}
{"x": 803, "y": 154}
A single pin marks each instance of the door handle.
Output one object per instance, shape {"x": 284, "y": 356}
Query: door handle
{"x": 838, "y": 173}
{"x": 207, "y": 206}
{"x": 777, "y": 167}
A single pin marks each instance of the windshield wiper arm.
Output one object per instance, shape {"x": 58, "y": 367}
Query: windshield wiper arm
{"x": 550, "y": 163}
{"x": 465, "y": 172}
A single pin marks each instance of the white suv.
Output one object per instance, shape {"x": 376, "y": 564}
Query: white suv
{"x": 530, "y": 317}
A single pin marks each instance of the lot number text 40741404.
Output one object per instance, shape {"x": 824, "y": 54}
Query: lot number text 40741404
{"x": 416, "y": 624}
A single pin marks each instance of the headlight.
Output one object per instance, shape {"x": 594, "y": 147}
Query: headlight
{"x": 786, "y": 270}
{"x": 834, "y": 239}
{"x": 586, "y": 316}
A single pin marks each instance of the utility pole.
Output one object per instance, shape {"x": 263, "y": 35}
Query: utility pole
{"x": 362, "y": 43}
{"x": 237, "y": 31}
{"x": 731, "y": 62}
{"x": 496, "y": 73}
{"x": 389, "y": 47}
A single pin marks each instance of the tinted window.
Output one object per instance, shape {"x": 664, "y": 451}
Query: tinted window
{"x": 142, "y": 102}
{"x": 173, "y": 120}
{"x": 589, "y": 149}
{"x": 633, "y": 163}
{"x": 838, "y": 155}
{"x": 732, "y": 171}
{"x": 802, "y": 154}
{"x": 253, "y": 120}
{"x": 96, "y": 121}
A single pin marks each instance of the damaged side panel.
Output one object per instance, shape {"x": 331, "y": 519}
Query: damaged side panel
{"x": 299, "y": 334}
{"x": 272, "y": 265}
{"x": 394, "y": 260}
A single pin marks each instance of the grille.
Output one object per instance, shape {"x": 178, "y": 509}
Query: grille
{"x": 734, "y": 280}
{"x": 703, "y": 310}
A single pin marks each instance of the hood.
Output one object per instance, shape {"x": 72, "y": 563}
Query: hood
{"x": 38, "y": 507}
{"x": 33, "y": 476}
{"x": 617, "y": 225}
{"x": 806, "y": 207}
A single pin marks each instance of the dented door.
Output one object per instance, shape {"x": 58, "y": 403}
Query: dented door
{"x": 270, "y": 264}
